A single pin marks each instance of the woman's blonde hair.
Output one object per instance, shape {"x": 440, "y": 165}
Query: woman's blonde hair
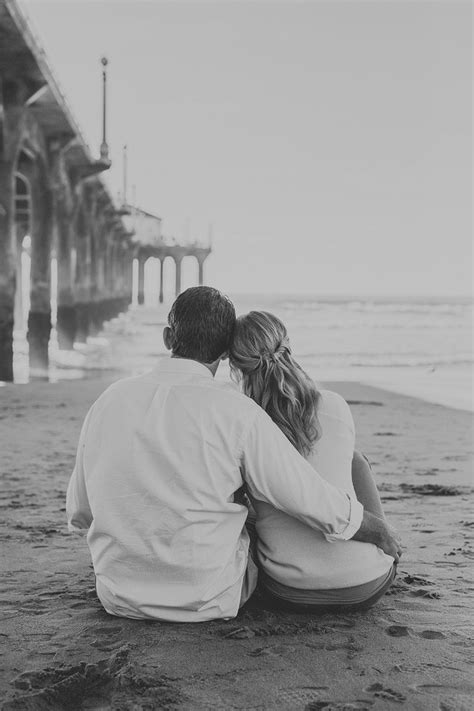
{"x": 260, "y": 358}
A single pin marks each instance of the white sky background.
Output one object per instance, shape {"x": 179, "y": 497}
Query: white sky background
{"x": 330, "y": 143}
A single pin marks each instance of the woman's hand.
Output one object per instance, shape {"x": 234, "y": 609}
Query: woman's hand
{"x": 380, "y": 533}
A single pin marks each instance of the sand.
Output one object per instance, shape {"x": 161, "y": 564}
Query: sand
{"x": 413, "y": 650}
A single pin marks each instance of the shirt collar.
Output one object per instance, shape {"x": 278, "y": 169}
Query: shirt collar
{"x": 183, "y": 366}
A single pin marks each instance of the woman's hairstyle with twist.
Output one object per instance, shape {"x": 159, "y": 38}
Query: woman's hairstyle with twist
{"x": 260, "y": 358}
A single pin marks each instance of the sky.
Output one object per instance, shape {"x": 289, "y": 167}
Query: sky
{"x": 329, "y": 143}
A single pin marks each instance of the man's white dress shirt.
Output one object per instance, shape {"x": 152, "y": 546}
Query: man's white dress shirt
{"x": 159, "y": 459}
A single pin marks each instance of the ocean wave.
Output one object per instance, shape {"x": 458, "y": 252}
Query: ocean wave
{"x": 398, "y": 360}
{"x": 420, "y": 324}
{"x": 378, "y": 307}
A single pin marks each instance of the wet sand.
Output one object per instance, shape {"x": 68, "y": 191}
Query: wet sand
{"x": 413, "y": 650}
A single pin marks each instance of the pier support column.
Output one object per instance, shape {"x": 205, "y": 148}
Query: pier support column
{"x": 113, "y": 278}
{"x": 119, "y": 277}
{"x": 82, "y": 311}
{"x": 39, "y": 319}
{"x": 178, "y": 275}
{"x": 18, "y": 311}
{"x": 107, "y": 265}
{"x": 129, "y": 277}
{"x": 83, "y": 275}
{"x": 201, "y": 272}
{"x": 95, "y": 316}
{"x": 141, "y": 280}
{"x": 66, "y": 315}
{"x": 97, "y": 310}
{"x": 7, "y": 272}
{"x": 20, "y": 231}
{"x": 162, "y": 261}
{"x": 92, "y": 311}
{"x": 66, "y": 325}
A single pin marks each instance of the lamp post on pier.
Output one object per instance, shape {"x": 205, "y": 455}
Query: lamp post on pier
{"x": 104, "y": 148}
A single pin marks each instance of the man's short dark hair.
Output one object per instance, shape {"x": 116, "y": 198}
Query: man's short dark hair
{"x": 202, "y": 322}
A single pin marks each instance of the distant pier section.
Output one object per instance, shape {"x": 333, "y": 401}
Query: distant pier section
{"x": 60, "y": 228}
{"x": 149, "y": 242}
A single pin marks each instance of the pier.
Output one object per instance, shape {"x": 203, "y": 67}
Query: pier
{"x": 56, "y": 209}
{"x": 150, "y": 242}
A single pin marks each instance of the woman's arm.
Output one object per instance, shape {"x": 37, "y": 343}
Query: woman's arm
{"x": 365, "y": 486}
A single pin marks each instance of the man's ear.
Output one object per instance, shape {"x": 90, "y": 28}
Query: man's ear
{"x": 224, "y": 356}
{"x": 167, "y": 338}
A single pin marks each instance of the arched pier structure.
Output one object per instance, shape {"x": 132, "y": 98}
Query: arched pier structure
{"x": 149, "y": 242}
{"x": 54, "y": 205}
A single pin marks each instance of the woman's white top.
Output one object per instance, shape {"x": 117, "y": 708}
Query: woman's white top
{"x": 295, "y": 554}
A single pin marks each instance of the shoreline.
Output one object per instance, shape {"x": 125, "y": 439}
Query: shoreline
{"x": 365, "y": 344}
{"x": 418, "y": 384}
{"x": 412, "y": 648}
{"x": 451, "y": 390}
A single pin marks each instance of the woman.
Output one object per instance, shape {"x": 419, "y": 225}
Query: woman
{"x": 299, "y": 567}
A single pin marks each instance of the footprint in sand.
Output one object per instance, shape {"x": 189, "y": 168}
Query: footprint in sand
{"x": 300, "y": 695}
{"x": 105, "y": 629}
{"x": 357, "y": 705}
{"x": 269, "y": 629}
{"x": 106, "y": 645}
{"x": 107, "y": 683}
{"x": 397, "y": 631}
{"x": 383, "y": 692}
{"x": 455, "y": 457}
{"x": 458, "y": 703}
{"x": 416, "y": 580}
{"x": 431, "y": 489}
{"x": 83, "y": 604}
{"x": 432, "y": 634}
{"x": 239, "y": 633}
{"x": 430, "y": 594}
{"x": 403, "y": 631}
{"x": 275, "y": 650}
{"x": 396, "y": 588}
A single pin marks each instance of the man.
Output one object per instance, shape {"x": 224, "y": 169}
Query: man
{"x": 159, "y": 460}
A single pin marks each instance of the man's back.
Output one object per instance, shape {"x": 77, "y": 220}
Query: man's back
{"x": 157, "y": 468}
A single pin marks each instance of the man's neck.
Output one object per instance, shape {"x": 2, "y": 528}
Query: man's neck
{"x": 212, "y": 367}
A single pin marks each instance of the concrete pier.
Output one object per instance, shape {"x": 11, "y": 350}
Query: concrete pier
{"x": 39, "y": 319}
{"x": 177, "y": 261}
{"x": 7, "y": 272}
{"x": 141, "y": 280}
{"x": 151, "y": 243}
{"x": 66, "y": 313}
{"x": 53, "y": 199}
{"x": 162, "y": 261}
{"x": 161, "y": 250}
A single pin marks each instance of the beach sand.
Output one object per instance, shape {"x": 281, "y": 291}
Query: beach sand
{"x": 413, "y": 650}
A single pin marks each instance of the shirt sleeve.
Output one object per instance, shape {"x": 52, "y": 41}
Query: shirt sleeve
{"x": 78, "y": 511}
{"x": 276, "y": 473}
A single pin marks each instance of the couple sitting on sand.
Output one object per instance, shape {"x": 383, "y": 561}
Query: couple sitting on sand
{"x": 170, "y": 463}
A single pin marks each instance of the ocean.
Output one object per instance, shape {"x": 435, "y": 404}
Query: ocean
{"x": 420, "y": 347}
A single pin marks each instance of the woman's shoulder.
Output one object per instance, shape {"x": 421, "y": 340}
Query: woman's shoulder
{"x": 333, "y": 405}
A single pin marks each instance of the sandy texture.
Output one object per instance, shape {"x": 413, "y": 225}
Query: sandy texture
{"x": 60, "y": 650}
